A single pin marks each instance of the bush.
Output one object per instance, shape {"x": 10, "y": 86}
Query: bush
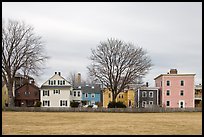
{"x": 120, "y": 105}
{"x": 114, "y": 104}
{"x": 38, "y": 104}
{"x": 90, "y": 106}
{"x": 74, "y": 104}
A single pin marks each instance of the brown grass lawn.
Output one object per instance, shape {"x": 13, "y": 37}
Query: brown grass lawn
{"x": 90, "y": 123}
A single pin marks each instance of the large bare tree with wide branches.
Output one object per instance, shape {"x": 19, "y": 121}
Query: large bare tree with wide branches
{"x": 117, "y": 64}
{"x": 22, "y": 50}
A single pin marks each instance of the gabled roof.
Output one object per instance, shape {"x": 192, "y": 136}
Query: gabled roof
{"x": 43, "y": 85}
{"x": 29, "y": 85}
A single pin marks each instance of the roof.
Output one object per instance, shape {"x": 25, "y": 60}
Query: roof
{"x": 149, "y": 88}
{"x": 29, "y": 85}
{"x": 53, "y": 76}
{"x": 174, "y": 75}
{"x": 54, "y": 86}
{"x": 91, "y": 89}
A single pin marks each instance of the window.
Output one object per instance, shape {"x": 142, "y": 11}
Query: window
{"x": 93, "y": 95}
{"x": 63, "y": 82}
{"x": 182, "y": 83}
{"x": 119, "y": 96}
{"x": 54, "y": 82}
{"x": 168, "y": 83}
{"x": 168, "y": 103}
{"x": 49, "y": 82}
{"x": 58, "y": 82}
{"x": 63, "y": 102}
{"x": 150, "y": 102}
{"x": 144, "y": 94}
{"x": 74, "y": 93}
{"x": 46, "y": 103}
{"x": 151, "y": 94}
{"x": 144, "y": 103}
{"x": 78, "y": 93}
{"x": 27, "y": 93}
{"x": 86, "y": 95}
{"x": 122, "y": 96}
{"x": 181, "y": 93}
{"x": 70, "y": 92}
{"x": 109, "y": 95}
{"x": 168, "y": 92}
{"x": 45, "y": 92}
{"x": 56, "y": 91}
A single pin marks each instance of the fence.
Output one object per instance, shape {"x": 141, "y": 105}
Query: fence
{"x": 117, "y": 110}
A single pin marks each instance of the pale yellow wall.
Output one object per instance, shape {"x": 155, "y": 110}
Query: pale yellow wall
{"x": 106, "y": 98}
{"x": 129, "y": 95}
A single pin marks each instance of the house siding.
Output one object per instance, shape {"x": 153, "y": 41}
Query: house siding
{"x": 54, "y": 99}
{"x": 175, "y": 88}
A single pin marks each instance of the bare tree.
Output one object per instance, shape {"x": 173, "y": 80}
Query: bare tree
{"x": 72, "y": 78}
{"x": 22, "y": 50}
{"x": 117, "y": 64}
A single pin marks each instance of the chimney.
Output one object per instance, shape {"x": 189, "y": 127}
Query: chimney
{"x": 33, "y": 82}
{"x": 79, "y": 79}
{"x": 59, "y": 73}
{"x": 173, "y": 71}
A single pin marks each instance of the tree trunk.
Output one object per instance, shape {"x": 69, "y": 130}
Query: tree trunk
{"x": 11, "y": 95}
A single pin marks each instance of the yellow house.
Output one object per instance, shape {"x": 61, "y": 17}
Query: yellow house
{"x": 4, "y": 95}
{"x": 127, "y": 97}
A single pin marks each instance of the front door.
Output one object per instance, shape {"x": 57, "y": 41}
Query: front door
{"x": 181, "y": 104}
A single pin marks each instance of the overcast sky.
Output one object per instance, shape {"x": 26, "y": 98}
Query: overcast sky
{"x": 170, "y": 32}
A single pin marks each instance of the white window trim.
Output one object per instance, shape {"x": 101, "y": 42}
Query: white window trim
{"x": 144, "y": 103}
{"x": 92, "y": 95}
{"x": 47, "y": 103}
{"x": 169, "y": 92}
{"x": 46, "y": 92}
{"x": 86, "y": 95}
{"x": 183, "y": 103}
{"x": 78, "y": 94}
{"x": 144, "y": 93}
{"x": 75, "y": 94}
{"x": 169, "y": 103}
{"x": 152, "y": 94}
{"x": 151, "y": 102}
{"x": 180, "y": 93}
{"x": 63, "y": 103}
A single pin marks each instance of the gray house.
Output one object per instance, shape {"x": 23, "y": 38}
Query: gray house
{"x": 147, "y": 97}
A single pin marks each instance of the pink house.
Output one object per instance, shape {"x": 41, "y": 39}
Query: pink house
{"x": 176, "y": 90}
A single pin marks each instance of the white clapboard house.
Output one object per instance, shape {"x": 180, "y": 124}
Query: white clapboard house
{"x": 55, "y": 92}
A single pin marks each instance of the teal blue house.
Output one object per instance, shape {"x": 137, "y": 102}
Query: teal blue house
{"x": 91, "y": 94}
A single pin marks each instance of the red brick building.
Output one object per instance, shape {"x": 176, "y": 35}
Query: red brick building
{"x": 27, "y": 95}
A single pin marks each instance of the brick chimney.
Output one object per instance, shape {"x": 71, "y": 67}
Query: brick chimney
{"x": 173, "y": 71}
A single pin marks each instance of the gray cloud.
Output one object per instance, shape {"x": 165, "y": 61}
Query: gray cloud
{"x": 170, "y": 32}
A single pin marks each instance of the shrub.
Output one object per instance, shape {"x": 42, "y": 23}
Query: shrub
{"x": 74, "y": 104}
{"x": 120, "y": 105}
{"x": 90, "y": 106}
{"x": 114, "y": 104}
{"x": 38, "y": 104}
